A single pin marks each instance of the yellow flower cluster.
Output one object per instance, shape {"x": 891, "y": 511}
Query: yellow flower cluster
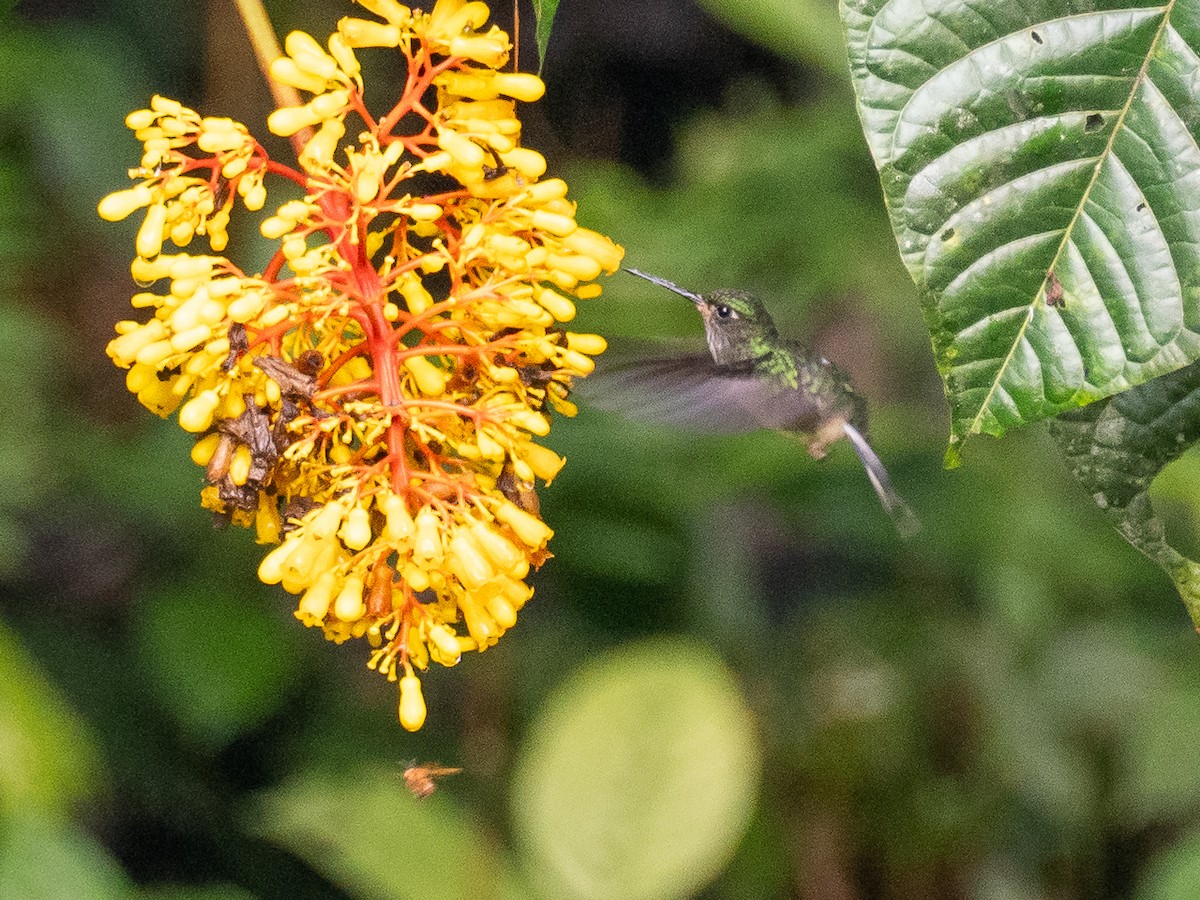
{"x": 371, "y": 399}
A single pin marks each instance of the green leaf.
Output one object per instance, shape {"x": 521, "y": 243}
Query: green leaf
{"x": 1039, "y": 163}
{"x": 370, "y": 836}
{"x": 51, "y": 762}
{"x": 46, "y": 858}
{"x": 219, "y": 662}
{"x": 1116, "y": 447}
{"x": 544, "y": 12}
{"x": 638, "y": 778}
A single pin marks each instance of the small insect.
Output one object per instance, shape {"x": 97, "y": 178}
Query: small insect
{"x": 1054, "y": 291}
{"x": 421, "y": 779}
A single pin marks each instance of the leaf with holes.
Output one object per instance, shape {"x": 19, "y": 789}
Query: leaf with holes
{"x": 1040, "y": 164}
{"x": 1115, "y": 449}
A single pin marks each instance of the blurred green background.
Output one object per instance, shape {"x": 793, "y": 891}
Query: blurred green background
{"x": 734, "y": 681}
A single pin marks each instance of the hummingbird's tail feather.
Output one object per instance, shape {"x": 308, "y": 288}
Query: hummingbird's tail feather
{"x": 902, "y": 515}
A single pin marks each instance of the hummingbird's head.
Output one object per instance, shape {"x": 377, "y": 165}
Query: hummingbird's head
{"x": 737, "y": 325}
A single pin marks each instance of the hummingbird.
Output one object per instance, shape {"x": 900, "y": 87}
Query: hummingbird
{"x": 751, "y": 378}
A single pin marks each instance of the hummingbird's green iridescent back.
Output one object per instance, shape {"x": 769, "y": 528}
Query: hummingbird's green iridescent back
{"x": 751, "y": 378}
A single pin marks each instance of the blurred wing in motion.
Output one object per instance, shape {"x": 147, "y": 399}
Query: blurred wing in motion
{"x": 691, "y": 391}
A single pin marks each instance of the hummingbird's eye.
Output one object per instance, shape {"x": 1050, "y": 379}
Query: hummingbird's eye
{"x": 724, "y": 312}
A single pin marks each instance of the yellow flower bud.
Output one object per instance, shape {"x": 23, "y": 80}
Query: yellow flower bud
{"x": 399, "y": 527}
{"x": 530, "y": 529}
{"x": 412, "y": 703}
{"x": 499, "y": 549}
{"x": 197, "y": 413}
{"x": 394, "y": 12}
{"x": 349, "y": 605}
{"x": 580, "y": 268}
{"x": 239, "y": 467}
{"x": 523, "y": 86}
{"x": 120, "y": 204}
{"x": 203, "y": 449}
{"x": 287, "y": 120}
{"x": 267, "y": 521}
{"x": 545, "y": 463}
{"x": 365, "y": 33}
{"x": 591, "y": 344}
{"x": 314, "y": 605}
{"x": 529, "y": 163}
{"x": 319, "y": 151}
{"x": 430, "y": 380}
{"x": 356, "y": 530}
{"x": 427, "y": 539}
{"x": 597, "y": 246}
{"x": 502, "y": 611}
{"x": 285, "y": 71}
{"x": 309, "y": 55}
{"x": 465, "y": 151}
{"x": 468, "y": 562}
{"x": 274, "y": 564}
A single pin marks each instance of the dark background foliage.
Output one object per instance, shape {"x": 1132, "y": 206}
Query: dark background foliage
{"x": 1005, "y": 707}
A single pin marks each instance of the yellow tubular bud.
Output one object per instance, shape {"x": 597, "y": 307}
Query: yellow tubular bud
{"x": 444, "y": 640}
{"x": 416, "y": 578}
{"x": 499, "y": 549}
{"x": 581, "y": 268}
{"x": 326, "y": 522}
{"x": 530, "y": 529}
{"x": 399, "y": 527}
{"x": 468, "y": 562}
{"x": 365, "y": 33}
{"x": 546, "y": 191}
{"x": 271, "y": 569}
{"x": 356, "y": 530}
{"x": 533, "y": 422}
{"x": 522, "y": 86}
{"x": 555, "y": 223}
{"x": 203, "y": 449}
{"x": 394, "y": 12}
{"x": 502, "y": 611}
{"x": 344, "y": 54}
{"x": 427, "y": 537}
{"x": 465, "y": 151}
{"x": 287, "y": 120}
{"x": 597, "y": 246}
{"x": 285, "y": 71}
{"x": 310, "y": 56}
{"x": 239, "y": 467}
{"x": 545, "y": 462}
{"x": 349, "y": 605}
{"x": 120, "y": 204}
{"x": 314, "y": 605}
{"x": 412, "y": 703}
{"x": 139, "y": 118}
{"x": 267, "y": 521}
{"x": 319, "y": 151}
{"x": 528, "y": 162}
{"x": 416, "y": 298}
{"x": 576, "y": 363}
{"x": 480, "y": 625}
{"x": 591, "y": 344}
{"x": 430, "y": 380}
{"x": 197, "y": 413}
{"x": 488, "y": 49}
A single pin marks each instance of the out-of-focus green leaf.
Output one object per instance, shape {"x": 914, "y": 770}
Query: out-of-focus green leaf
{"x": 638, "y": 778}
{"x": 194, "y": 892}
{"x": 1039, "y": 165}
{"x": 1162, "y": 779}
{"x": 807, "y": 30}
{"x": 219, "y": 662}
{"x": 544, "y": 12}
{"x": 1175, "y": 874}
{"x": 50, "y": 758}
{"x": 369, "y": 835}
{"x": 1117, "y": 446}
{"x": 48, "y": 859}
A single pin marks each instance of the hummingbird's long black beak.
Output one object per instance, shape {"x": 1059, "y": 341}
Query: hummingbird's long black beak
{"x": 662, "y": 282}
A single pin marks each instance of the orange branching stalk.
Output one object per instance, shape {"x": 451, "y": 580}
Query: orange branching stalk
{"x": 371, "y": 400}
